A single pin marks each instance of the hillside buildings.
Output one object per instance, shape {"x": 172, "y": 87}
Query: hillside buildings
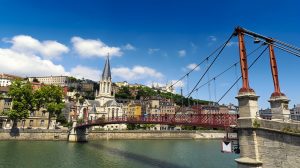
{"x": 295, "y": 112}
{"x": 51, "y": 80}
{"x": 6, "y": 79}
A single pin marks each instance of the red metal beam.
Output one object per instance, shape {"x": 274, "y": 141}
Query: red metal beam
{"x": 274, "y": 71}
{"x": 243, "y": 62}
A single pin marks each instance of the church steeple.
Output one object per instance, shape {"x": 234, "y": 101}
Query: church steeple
{"x": 106, "y": 75}
{"x": 105, "y": 88}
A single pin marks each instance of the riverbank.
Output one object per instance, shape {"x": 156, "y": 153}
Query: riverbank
{"x": 62, "y": 135}
{"x": 136, "y": 134}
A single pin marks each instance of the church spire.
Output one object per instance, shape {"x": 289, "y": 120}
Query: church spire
{"x": 106, "y": 75}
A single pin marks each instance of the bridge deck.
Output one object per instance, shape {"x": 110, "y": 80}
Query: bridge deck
{"x": 204, "y": 120}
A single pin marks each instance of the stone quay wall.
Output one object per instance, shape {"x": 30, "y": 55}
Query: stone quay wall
{"x": 34, "y": 134}
{"x": 275, "y": 149}
{"x": 62, "y": 135}
{"x": 99, "y": 135}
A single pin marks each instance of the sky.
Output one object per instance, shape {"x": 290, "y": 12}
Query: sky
{"x": 149, "y": 41}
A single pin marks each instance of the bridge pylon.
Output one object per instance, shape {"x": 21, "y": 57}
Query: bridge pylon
{"x": 78, "y": 134}
{"x": 248, "y": 108}
{"x": 278, "y": 100}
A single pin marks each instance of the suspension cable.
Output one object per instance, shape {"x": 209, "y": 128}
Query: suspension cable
{"x": 206, "y": 58}
{"x": 285, "y": 48}
{"x": 215, "y": 90}
{"x": 255, "y": 35}
{"x": 188, "y": 88}
{"x": 233, "y": 65}
{"x": 207, "y": 69}
{"x": 236, "y": 77}
{"x": 208, "y": 86}
{"x": 241, "y": 75}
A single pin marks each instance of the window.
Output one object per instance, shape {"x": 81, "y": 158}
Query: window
{"x": 23, "y": 123}
{"x": 30, "y": 123}
{"x": 42, "y": 122}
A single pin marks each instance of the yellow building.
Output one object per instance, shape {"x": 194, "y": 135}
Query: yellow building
{"x": 134, "y": 109}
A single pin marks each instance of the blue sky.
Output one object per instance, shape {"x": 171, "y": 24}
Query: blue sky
{"x": 149, "y": 41}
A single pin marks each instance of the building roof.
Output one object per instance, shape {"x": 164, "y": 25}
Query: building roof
{"x": 94, "y": 103}
{"x": 111, "y": 103}
{"x": 106, "y": 75}
{"x": 9, "y": 76}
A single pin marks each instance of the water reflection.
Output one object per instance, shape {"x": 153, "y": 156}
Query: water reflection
{"x": 145, "y": 160}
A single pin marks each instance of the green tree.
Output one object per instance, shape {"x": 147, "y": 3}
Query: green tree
{"x": 50, "y": 97}
{"x": 36, "y": 80}
{"x": 22, "y": 101}
{"x": 124, "y": 93}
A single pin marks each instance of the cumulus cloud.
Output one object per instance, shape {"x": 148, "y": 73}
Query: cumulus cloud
{"x": 29, "y": 45}
{"x": 94, "y": 48}
{"x": 137, "y": 72}
{"x": 28, "y": 64}
{"x": 129, "y": 47}
{"x": 182, "y": 53}
{"x": 85, "y": 72}
{"x": 192, "y": 66}
{"x": 153, "y": 50}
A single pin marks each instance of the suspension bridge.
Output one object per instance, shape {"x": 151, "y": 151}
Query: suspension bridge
{"x": 258, "y": 137}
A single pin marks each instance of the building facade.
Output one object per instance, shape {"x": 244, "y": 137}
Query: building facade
{"x": 51, "y": 80}
{"x": 295, "y": 112}
{"x": 6, "y": 79}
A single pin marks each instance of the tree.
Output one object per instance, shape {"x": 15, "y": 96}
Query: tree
{"x": 22, "y": 101}
{"x": 35, "y": 80}
{"x": 50, "y": 97}
{"x": 124, "y": 93}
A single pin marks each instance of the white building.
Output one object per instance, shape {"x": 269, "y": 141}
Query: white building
{"x": 295, "y": 112}
{"x": 52, "y": 80}
{"x": 6, "y": 79}
{"x": 5, "y": 82}
{"x": 105, "y": 105}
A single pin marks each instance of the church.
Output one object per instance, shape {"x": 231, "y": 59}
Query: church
{"x": 104, "y": 105}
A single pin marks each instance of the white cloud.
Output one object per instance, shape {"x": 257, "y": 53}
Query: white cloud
{"x": 212, "y": 38}
{"x": 27, "y": 64}
{"x": 137, "y": 72}
{"x": 178, "y": 84}
{"x": 129, "y": 47}
{"x": 182, "y": 53}
{"x": 27, "y": 44}
{"x": 94, "y": 48}
{"x": 153, "y": 50}
{"x": 230, "y": 44}
{"x": 192, "y": 66}
{"x": 85, "y": 72}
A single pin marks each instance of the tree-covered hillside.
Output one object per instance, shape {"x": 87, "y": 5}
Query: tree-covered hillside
{"x": 126, "y": 92}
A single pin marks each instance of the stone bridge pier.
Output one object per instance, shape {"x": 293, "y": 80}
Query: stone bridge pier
{"x": 266, "y": 143}
{"x": 78, "y": 134}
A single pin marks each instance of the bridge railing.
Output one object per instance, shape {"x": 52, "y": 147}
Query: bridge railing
{"x": 208, "y": 120}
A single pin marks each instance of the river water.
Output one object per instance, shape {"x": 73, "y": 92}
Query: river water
{"x": 115, "y": 154}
